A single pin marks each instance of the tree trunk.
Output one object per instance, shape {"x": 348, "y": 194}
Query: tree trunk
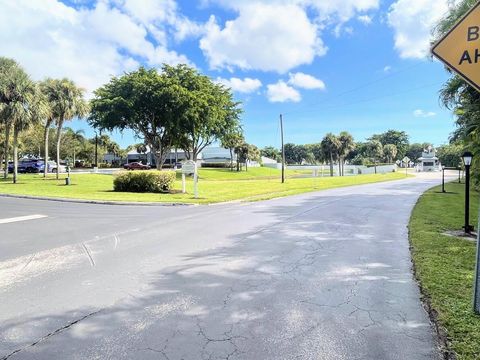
{"x": 59, "y": 138}
{"x": 2, "y": 156}
{"x": 160, "y": 156}
{"x": 231, "y": 159}
{"x": 5, "y": 150}
{"x": 375, "y": 164}
{"x": 45, "y": 141}
{"x": 15, "y": 155}
{"x": 246, "y": 165}
{"x": 331, "y": 164}
{"x": 339, "y": 167}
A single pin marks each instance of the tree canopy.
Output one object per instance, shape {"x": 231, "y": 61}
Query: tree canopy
{"x": 177, "y": 107}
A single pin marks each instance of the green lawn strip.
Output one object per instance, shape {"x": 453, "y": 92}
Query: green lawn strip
{"x": 99, "y": 187}
{"x": 445, "y": 264}
{"x": 251, "y": 174}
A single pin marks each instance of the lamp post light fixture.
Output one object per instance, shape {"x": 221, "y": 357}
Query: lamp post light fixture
{"x": 467, "y": 161}
{"x": 443, "y": 178}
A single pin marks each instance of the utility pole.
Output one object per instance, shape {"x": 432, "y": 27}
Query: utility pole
{"x": 283, "y": 149}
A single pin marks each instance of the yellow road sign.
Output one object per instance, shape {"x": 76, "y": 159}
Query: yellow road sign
{"x": 459, "y": 49}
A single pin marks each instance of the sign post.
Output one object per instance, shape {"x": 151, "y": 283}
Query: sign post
{"x": 188, "y": 168}
{"x": 459, "y": 49}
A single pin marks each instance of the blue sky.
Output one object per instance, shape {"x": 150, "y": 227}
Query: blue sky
{"x": 327, "y": 65}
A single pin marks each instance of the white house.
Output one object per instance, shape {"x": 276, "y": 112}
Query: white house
{"x": 428, "y": 161}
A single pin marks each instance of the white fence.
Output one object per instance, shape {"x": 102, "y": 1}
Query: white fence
{"x": 324, "y": 170}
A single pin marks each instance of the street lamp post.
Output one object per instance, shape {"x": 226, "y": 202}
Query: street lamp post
{"x": 443, "y": 178}
{"x": 467, "y": 161}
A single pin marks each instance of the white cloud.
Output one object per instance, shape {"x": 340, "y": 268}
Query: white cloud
{"x": 344, "y": 9}
{"x": 263, "y": 37}
{"x": 305, "y": 81}
{"x": 423, "y": 114}
{"x": 246, "y": 85}
{"x": 412, "y": 22}
{"x": 87, "y": 45}
{"x": 387, "y": 69}
{"x": 365, "y": 19}
{"x": 281, "y": 92}
{"x": 276, "y": 35}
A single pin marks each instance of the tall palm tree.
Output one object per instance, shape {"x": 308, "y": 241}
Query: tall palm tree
{"x": 330, "y": 147}
{"x": 22, "y": 105}
{"x": 26, "y": 107}
{"x": 10, "y": 71}
{"x": 70, "y": 103}
{"x": 26, "y": 113}
{"x": 346, "y": 146}
{"x": 49, "y": 88}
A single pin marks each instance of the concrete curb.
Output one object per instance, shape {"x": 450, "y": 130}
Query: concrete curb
{"x": 97, "y": 202}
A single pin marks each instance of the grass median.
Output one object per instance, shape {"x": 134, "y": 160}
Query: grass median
{"x": 215, "y": 185}
{"x": 445, "y": 264}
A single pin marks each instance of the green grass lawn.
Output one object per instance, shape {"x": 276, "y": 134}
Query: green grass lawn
{"x": 445, "y": 264}
{"x": 215, "y": 185}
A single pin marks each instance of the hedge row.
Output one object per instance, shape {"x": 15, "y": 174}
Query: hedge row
{"x": 144, "y": 181}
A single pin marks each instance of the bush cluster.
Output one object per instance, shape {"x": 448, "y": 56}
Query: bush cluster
{"x": 144, "y": 181}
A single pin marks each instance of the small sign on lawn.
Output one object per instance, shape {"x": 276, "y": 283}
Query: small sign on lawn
{"x": 190, "y": 167}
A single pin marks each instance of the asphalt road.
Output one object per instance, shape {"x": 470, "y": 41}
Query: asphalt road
{"x": 324, "y": 275}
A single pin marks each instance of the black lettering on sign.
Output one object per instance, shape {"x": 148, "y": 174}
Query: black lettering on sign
{"x": 465, "y": 57}
{"x": 473, "y": 33}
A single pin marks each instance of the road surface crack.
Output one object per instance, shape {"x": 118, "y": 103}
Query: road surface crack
{"x": 49, "y": 335}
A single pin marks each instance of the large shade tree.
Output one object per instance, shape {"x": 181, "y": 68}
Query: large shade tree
{"x": 395, "y": 137}
{"x": 142, "y": 101}
{"x": 209, "y": 111}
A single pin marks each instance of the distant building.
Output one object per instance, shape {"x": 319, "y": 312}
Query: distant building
{"x": 148, "y": 158}
{"x": 428, "y": 161}
{"x": 217, "y": 156}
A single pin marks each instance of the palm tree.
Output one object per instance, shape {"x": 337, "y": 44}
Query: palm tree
{"x": 346, "y": 146}
{"x": 330, "y": 146}
{"x": 374, "y": 151}
{"x": 22, "y": 105}
{"x": 69, "y": 104}
{"x": 390, "y": 152}
{"x": 10, "y": 71}
{"x": 49, "y": 88}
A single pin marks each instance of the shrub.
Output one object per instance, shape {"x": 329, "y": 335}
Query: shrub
{"x": 144, "y": 181}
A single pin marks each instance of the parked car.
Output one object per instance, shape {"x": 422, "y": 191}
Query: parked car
{"x": 136, "y": 166}
{"x": 34, "y": 166}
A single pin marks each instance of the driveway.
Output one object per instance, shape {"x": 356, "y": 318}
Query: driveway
{"x": 324, "y": 275}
